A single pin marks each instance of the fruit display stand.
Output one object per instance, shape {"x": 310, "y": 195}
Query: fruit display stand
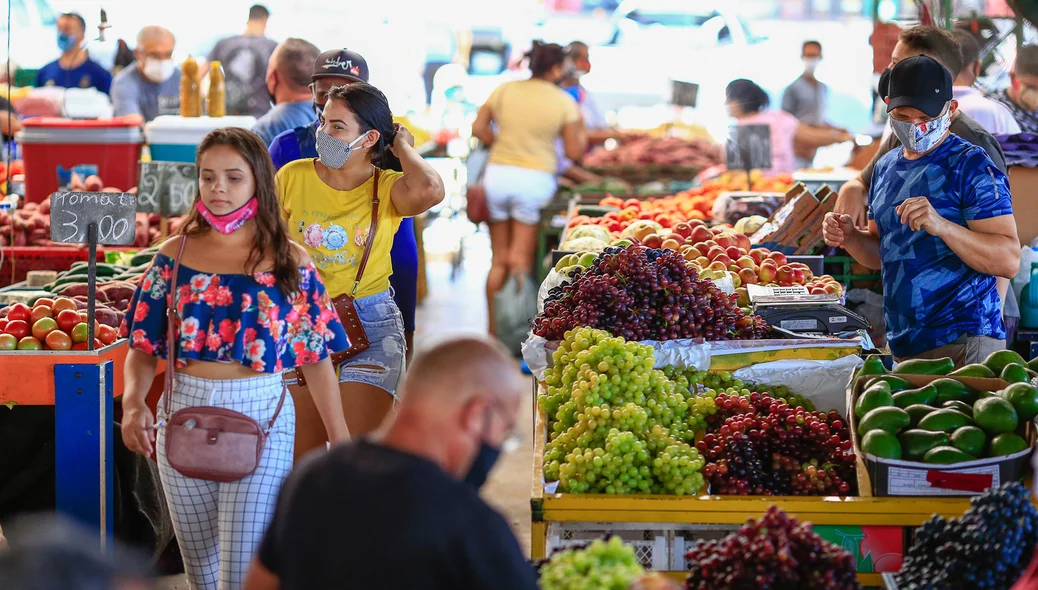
{"x": 81, "y": 386}
{"x": 654, "y": 523}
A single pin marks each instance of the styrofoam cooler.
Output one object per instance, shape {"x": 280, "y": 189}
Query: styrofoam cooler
{"x": 113, "y": 145}
{"x": 175, "y": 139}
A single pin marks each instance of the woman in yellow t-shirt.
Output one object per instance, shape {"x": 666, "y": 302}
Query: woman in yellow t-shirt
{"x": 520, "y": 176}
{"x": 328, "y": 202}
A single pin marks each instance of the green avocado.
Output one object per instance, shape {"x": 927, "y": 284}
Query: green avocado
{"x": 925, "y": 367}
{"x": 917, "y": 411}
{"x": 995, "y": 415}
{"x": 890, "y": 419}
{"x": 881, "y": 444}
{"x": 944, "y": 420}
{"x": 873, "y": 366}
{"x": 974, "y": 370}
{"x": 1015, "y": 374}
{"x": 970, "y": 440}
{"x": 1024, "y": 398}
{"x": 998, "y": 360}
{"x": 945, "y": 455}
{"x": 924, "y": 395}
{"x": 874, "y": 397}
{"x": 916, "y": 443}
{"x": 950, "y": 389}
{"x": 896, "y": 383}
{"x": 1006, "y": 444}
{"x": 963, "y": 407}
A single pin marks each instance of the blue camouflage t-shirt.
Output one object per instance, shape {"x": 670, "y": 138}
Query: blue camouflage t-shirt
{"x": 930, "y": 296}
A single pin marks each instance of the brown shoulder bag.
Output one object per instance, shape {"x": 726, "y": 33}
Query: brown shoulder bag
{"x": 346, "y": 306}
{"x": 206, "y": 442}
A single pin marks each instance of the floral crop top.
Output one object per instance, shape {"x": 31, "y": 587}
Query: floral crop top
{"x": 231, "y": 318}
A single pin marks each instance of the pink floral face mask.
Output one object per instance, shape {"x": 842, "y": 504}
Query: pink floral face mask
{"x": 230, "y": 222}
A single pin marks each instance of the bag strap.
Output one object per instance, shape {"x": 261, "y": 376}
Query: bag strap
{"x": 371, "y": 236}
{"x": 171, "y": 338}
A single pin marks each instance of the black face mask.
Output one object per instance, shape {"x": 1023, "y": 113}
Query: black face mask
{"x": 482, "y": 465}
{"x": 270, "y": 94}
{"x": 318, "y": 109}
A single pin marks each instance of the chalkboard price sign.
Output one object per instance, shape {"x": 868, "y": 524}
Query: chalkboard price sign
{"x": 748, "y": 147}
{"x": 166, "y": 188}
{"x": 683, "y": 94}
{"x": 113, "y": 215}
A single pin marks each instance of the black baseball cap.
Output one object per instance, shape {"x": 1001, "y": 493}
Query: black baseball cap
{"x": 919, "y": 82}
{"x": 341, "y": 63}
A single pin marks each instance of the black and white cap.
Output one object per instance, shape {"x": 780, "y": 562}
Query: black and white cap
{"x": 919, "y": 82}
{"x": 341, "y": 63}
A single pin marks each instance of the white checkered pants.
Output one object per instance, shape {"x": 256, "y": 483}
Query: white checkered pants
{"x": 219, "y": 526}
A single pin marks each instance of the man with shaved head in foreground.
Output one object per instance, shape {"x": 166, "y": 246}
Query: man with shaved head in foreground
{"x": 402, "y": 509}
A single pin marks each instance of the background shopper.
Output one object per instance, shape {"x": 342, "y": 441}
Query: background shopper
{"x": 529, "y": 115}
{"x": 288, "y": 86}
{"x": 328, "y": 203}
{"x": 244, "y": 58}
{"x": 151, "y": 85}
{"x": 74, "y": 68}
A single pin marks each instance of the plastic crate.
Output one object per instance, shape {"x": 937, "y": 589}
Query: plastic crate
{"x": 651, "y": 545}
{"x": 18, "y": 261}
{"x": 840, "y": 268}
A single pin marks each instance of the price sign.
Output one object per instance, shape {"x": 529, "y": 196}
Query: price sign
{"x": 93, "y": 218}
{"x": 683, "y": 94}
{"x": 166, "y": 188}
{"x": 112, "y": 214}
{"x": 748, "y": 147}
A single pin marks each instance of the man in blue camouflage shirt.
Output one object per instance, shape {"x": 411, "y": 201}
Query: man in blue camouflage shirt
{"x": 941, "y": 227}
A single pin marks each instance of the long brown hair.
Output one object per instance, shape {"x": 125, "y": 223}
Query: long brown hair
{"x": 271, "y": 236}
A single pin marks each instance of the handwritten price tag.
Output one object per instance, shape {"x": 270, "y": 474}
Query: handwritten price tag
{"x": 113, "y": 214}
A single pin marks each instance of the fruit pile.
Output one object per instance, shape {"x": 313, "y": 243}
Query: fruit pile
{"x": 601, "y": 565}
{"x": 51, "y": 325}
{"x": 617, "y": 426}
{"x": 642, "y": 294}
{"x": 759, "y": 445}
{"x": 664, "y": 154}
{"x": 945, "y": 421}
{"x": 775, "y": 552}
{"x": 988, "y": 547}
{"x": 691, "y": 379}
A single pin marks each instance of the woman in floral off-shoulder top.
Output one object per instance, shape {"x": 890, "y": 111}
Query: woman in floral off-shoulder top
{"x": 249, "y": 305}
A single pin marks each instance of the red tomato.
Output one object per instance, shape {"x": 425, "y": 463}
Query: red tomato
{"x": 106, "y": 335}
{"x": 30, "y": 343}
{"x": 63, "y": 303}
{"x": 3, "y": 324}
{"x": 67, "y": 319}
{"x": 8, "y": 342}
{"x": 19, "y": 311}
{"x": 633, "y": 203}
{"x": 58, "y": 340}
{"x": 39, "y": 312}
{"x": 43, "y": 326}
{"x": 44, "y": 301}
{"x": 17, "y": 328}
{"x": 80, "y": 332}
{"x": 79, "y": 346}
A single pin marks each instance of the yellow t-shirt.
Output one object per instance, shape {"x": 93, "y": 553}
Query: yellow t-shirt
{"x": 530, "y": 115}
{"x": 333, "y": 226}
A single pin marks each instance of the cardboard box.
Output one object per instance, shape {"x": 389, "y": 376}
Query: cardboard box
{"x": 781, "y": 230}
{"x": 890, "y": 477}
{"x": 1023, "y": 184}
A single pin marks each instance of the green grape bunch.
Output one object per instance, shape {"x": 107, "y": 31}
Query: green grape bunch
{"x": 602, "y": 565}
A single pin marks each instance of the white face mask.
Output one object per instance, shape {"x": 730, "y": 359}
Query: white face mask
{"x": 811, "y": 64}
{"x": 158, "y": 70}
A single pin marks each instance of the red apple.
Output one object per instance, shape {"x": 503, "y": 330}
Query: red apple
{"x": 701, "y": 233}
{"x": 748, "y": 276}
{"x": 734, "y": 252}
{"x": 652, "y": 241}
{"x": 784, "y": 275}
{"x": 725, "y": 240}
{"x": 746, "y": 262}
{"x": 632, "y": 204}
{"x": 743, "y": 241}
{"x": 767, "y": 273}
{"x": 715, "y": 265}
{"x": 19, "y": 311}
{"x": 832, "y": 288}
{"x": 702, "y": 247}
{"x": 724, "y": 259}
{"x": 758, "y": 255}
{"x": 703, "y": 261}
{"x": 778, "y": 257}
{"x": 697, "y": 223}
{"x": 17, "y": 328}
{"x": 670, "y": 244}
{"x": 683, "y": 229}
{"x": 816, "y": 291}
{"x": 714, "y": 252}
{"x": 798, "y": 276}
{"x": 67, "y": 319}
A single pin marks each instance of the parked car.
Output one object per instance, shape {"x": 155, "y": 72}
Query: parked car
{"x": 682, "y": 23}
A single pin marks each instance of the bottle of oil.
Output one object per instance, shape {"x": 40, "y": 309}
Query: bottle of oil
{"x": 190, "y": 89}
{"x": 216, "y": 100}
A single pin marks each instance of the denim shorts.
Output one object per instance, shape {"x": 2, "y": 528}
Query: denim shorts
{"x": 382, "y": 363}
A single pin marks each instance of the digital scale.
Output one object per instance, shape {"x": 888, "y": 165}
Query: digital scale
{"x": 793, "y": 310}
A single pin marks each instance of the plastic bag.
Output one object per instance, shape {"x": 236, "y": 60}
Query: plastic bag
{"x": 551, "y": 281}
{"x": 822, "y": 382}
{"x": 515, "y": 304}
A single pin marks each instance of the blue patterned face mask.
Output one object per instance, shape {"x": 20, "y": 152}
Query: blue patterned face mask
{"x": 922, "y": 137}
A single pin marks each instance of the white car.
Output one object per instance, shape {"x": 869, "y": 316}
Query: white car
{"x": 678, "y": 23}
